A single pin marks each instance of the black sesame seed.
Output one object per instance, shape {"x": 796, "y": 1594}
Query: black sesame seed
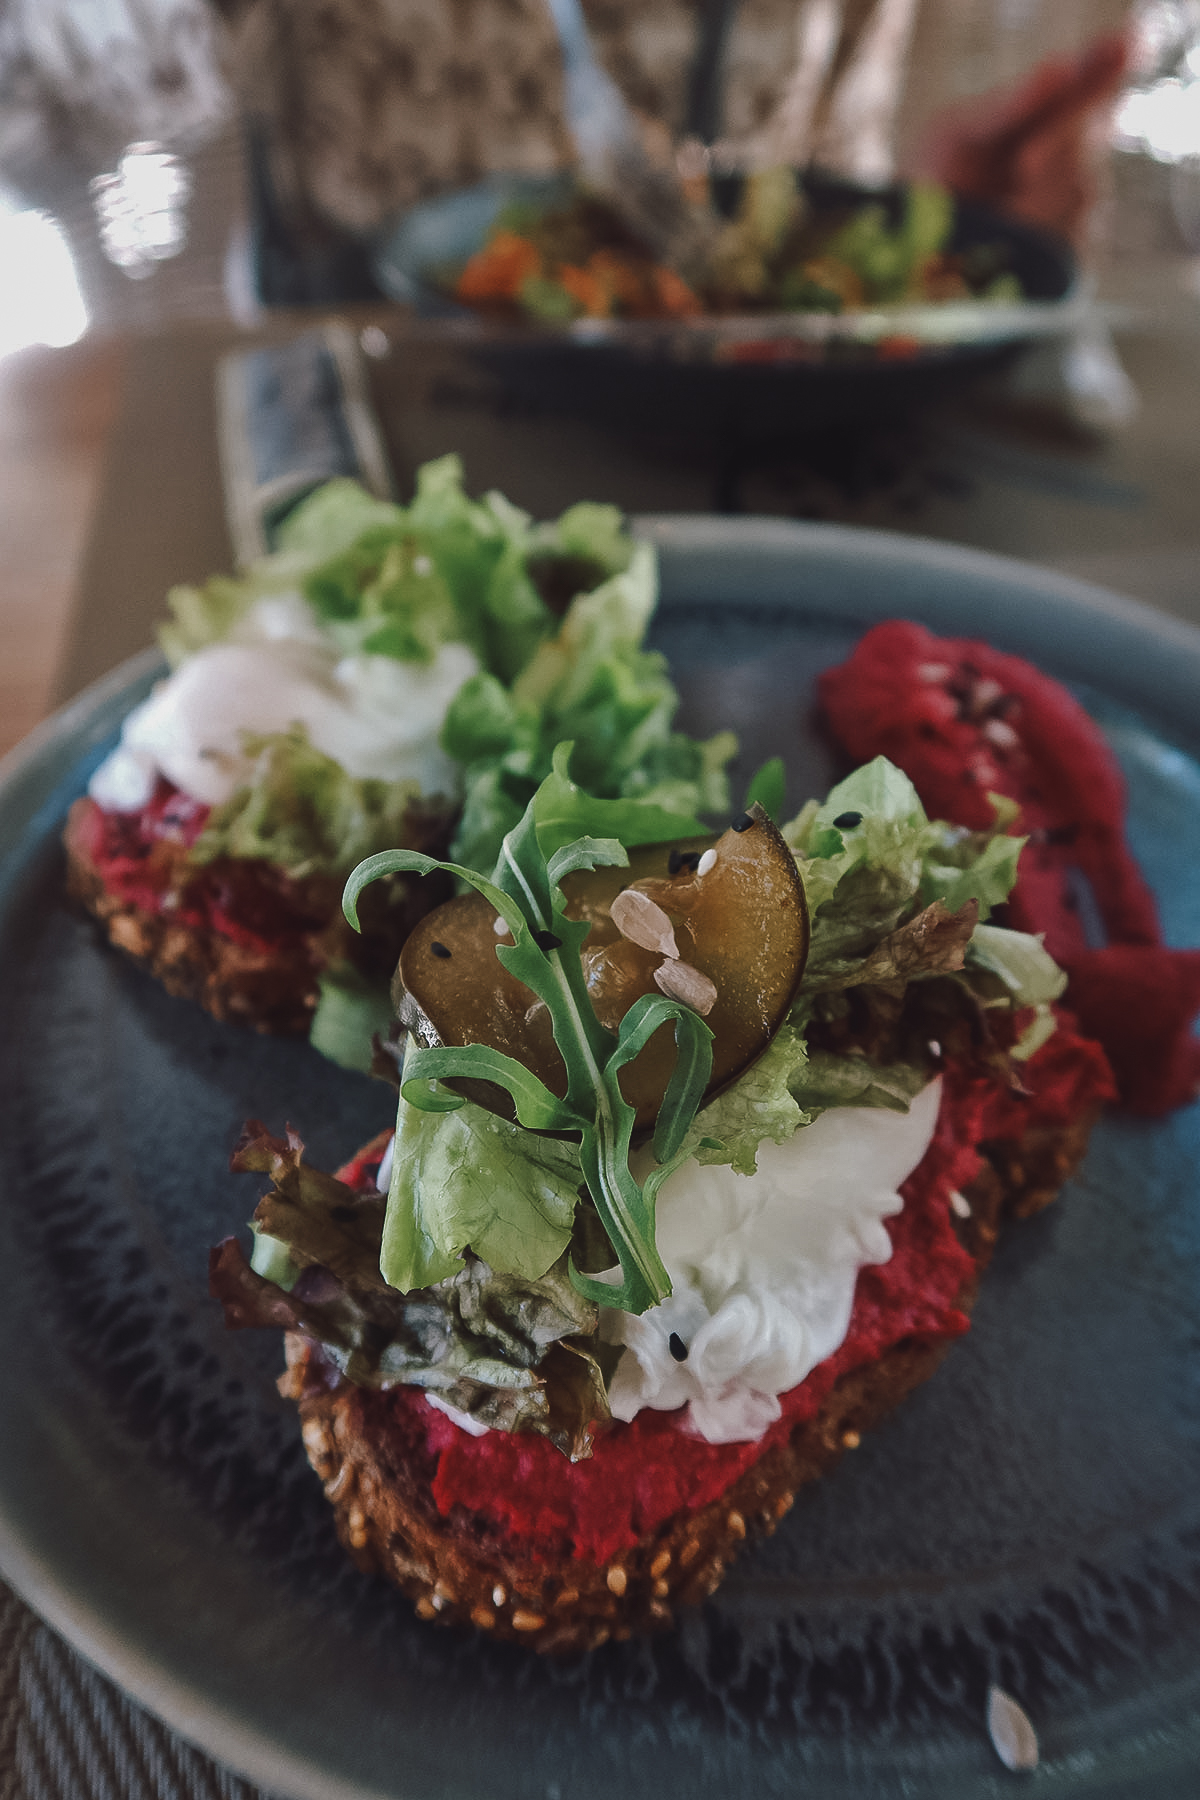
{"x": 675, "y": 861}
{"x": 847, "y": 821}
{"x": 546, "y": 940}
{"x": 439, "y": 949}
{"x": 743, "y": 823}
{"x": 677, "y": 1347}
{"x": 690, "y": 860}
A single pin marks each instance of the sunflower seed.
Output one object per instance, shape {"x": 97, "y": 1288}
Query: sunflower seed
{"x": 638, "y": 918}
{"x": 1011, "y": 1733}
{"x": 680, "y": 981}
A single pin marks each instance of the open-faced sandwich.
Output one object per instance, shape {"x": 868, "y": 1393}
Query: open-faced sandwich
{"x": 392, "y": 675}
{"x": 700, "y": 1151}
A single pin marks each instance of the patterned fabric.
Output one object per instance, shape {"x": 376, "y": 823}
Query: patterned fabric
{"x": 67, "y": 1734}
{"x": 372, "y": 105}
{"x": 648, "y": 50}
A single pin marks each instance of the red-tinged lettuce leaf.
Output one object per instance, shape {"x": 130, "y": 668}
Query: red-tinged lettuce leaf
{"x": 933, "y": 943}
{"x": 248, "y": 1300}
{"x": 490, "y": 1345}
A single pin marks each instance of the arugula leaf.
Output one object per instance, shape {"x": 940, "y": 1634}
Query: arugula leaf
{"x": 563, "y": 813}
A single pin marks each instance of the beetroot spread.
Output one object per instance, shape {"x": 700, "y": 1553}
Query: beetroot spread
{"x": 642, "y": 1473}
{"x": 142, "y": 858}
{"x": 963, "y": 720}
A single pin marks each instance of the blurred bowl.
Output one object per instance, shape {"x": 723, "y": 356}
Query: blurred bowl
{"x": 761, "y": 379}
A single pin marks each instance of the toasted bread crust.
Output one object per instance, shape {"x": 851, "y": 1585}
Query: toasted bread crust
{"x": 457, "y": 1573}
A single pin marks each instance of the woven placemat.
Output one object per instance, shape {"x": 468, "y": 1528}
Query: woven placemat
{"x": 68, "y": 1734}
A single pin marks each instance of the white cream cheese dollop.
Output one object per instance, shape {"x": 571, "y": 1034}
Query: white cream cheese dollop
{"x": 763, "y": 1268}
{"x": 375, "y": 715}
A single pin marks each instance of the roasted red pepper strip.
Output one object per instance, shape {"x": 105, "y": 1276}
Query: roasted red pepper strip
{"x": 963, "y": 720}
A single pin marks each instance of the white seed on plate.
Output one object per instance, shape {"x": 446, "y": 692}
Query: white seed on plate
{"x": 1013, "y": 1736}
{"x": 960, "y": 1204}
{"x": 679, "y": 981}
{"x": 500, "y": 925}
{"x": 638, "y": 918}
{"x": 934, "y": 671}
{"x": 707, "y": 861}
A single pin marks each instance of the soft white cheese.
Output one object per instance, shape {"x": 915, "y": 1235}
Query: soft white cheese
{"x": 763, "y": 1268}
{"x": 376, "y": 716}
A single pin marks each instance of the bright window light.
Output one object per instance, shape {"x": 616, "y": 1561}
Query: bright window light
{"x": 1163, "y": 120}
{"x": 40, "y": 301}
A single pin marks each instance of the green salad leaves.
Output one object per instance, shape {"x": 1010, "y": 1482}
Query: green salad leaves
{"x": 426, "y": 1234}
{"x": 477, "y": 1279}
{"x": 556, "y": 615}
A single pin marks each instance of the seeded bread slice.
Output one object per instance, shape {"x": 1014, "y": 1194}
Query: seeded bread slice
{"x": 459, "y": 1572}
{"x": 273, "y": 990}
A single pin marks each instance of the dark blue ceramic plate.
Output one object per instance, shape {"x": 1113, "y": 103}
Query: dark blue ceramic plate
{"x": 1031, "y": 1517}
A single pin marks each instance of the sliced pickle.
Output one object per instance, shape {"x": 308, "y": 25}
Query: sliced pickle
{"x": 743, "y": 923}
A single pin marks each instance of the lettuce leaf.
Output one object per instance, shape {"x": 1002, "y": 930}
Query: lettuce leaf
{"x": 759, "y": 1107}
{"x": 325, "y": 524}
{"x": 591, "y": 684}
{"x": 302, "y": 812}
{"x": 1021, "y": 961}
{"x": 513, "y": 1353}
{"x": 827, "y": 1080}
{"x": 383, "y": 597}
{"x": 862, "y": 875}
{"x": 330, "y": 519}
{"x": 351, "y": 1012}
{"x": 467, "y": 1178}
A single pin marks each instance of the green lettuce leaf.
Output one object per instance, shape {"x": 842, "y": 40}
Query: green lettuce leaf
{"x": 862, "y": 877}
{"x": 467, "y": 1178}
{"x": 1021, "y": 961}
{"x": 593, "y": 685}
{"x": 383, "y": 597}
{"x": 324, "y": 525}
{"x": 759, "y": 1107}
{"x": 331, "y": 519}
{"x": 969, "y": 865}
{"x": 302, "y": 812}
{"x": 351, "y": 1012}
{"x": 826, "y": 1080}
